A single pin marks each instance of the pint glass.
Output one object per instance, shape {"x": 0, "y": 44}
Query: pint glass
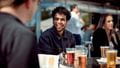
{"x": 103, "y": 51}
{"x": 80, "y": 56}
{"x": 70, "y": 56}
{"x": 83, "y": 61}
{"x": 111, "y": 58}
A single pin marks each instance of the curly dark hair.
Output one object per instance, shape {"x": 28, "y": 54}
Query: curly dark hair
{"x": 61, "y": 10}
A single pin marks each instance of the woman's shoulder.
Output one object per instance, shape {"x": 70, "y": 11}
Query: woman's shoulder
{"x": 100, "y": 31}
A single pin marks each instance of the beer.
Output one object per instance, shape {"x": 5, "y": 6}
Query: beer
{"x": 111, "y": 58}
{"x": 70, "y": 52}
{"x": 70, "y": 57}
{"x": 103, "y": 51}
{"x": 82, "y": 61}
{"x": 103, "y": 66}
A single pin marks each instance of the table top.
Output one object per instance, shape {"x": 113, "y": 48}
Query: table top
{"x": 92, "y": 63}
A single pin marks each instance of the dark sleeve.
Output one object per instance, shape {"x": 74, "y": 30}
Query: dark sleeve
{"x": 72, "y": 41}
{"x": 44, "y": 45}
{"x": 99, "y": 39}
{"x": 22, "y": 53}
{"x": 117, "y": 46}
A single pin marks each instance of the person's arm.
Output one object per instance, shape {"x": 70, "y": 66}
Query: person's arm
{"x": 116, "y": 41}
{"x": 44, "y": 45}
{"x": 99, "y": 39}
{"x": 72, "y": 41}
{"x": 82, "y": 21}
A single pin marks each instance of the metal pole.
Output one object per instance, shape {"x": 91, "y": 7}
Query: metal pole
{"x": 65, "y": 2}
{"x": 88, "y": 42}
{"x": 38, "y": 20}
{"x": 89, "y": 49}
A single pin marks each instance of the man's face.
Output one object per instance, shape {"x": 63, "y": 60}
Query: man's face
{"x": 60, "y": 22}
{"x": 76, "y": 9}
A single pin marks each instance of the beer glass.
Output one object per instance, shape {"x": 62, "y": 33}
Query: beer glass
{"x": 81, "y": 55}
{"x": 111, "y": 58}
{"x": 70, "y": 52}
{"x": 103, "y": 51}
{"x": 78, "y": 52}
{"x": 83, "y": 61}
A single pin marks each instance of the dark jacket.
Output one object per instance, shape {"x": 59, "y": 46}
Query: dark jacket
{"x": 17, "y": 43}
{"x": 100, "y": 39}
{"x": 51, "y": 43}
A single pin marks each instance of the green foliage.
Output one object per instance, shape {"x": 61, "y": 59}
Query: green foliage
{"x": 45, "y": 14}
{"x": 87, "y": 18}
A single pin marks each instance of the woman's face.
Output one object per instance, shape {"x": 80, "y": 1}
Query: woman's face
{"x": 108, "y": 23}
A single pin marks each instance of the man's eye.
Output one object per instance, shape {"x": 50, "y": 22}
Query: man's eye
{"x": 56, "y": 18}
{"x": 108, "y": 21}
{"x": 63, "y": 19}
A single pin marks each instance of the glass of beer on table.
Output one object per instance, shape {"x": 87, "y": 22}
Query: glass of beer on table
{"x": 70, "y": 54}
{"x": 83, "y": 61}
{"x": 81, "y": 56}
{"x": 111, "y": 58}
{"x": 103, "y": 51}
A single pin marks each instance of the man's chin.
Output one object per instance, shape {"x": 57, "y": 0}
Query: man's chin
{"x": 59, "y": 30}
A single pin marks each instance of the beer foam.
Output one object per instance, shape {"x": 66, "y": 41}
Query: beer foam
{"x": 83, "y": 55}
{"x": 104, "y": 46}
{"x": 70, "y": 51}
{"x": 113, "y": 51}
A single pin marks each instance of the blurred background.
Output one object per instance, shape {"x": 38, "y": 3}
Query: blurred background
{"x": 90, "y": 12}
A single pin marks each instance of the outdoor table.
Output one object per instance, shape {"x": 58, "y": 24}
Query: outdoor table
{"x": 93, "y": 63}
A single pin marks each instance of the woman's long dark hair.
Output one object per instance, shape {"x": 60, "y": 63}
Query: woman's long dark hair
{"x": 102, "y": 20}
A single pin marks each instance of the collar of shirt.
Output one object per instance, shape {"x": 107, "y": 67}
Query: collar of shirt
{"x": 58, "y": 36}
{"x": 74, "y": 15}
{"x": 11, "y": 16}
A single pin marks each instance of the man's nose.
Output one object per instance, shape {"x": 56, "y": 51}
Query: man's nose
{"x": 111, "y": 22}
{"x": 59, "y": 21}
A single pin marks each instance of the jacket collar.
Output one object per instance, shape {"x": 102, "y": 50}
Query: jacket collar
{"x": 58, "y": 36}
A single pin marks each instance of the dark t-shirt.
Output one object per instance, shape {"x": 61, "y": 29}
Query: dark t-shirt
{"x": 51, "y": 43}
{"x": 16, "y": 43}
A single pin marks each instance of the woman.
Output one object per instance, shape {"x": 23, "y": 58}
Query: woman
{"x": 105, "y": 35}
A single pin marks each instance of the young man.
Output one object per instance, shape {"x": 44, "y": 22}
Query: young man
{"x": 75, "y": 24}
{"x": 16, "y": 40}
{"x": 56, "y": 39}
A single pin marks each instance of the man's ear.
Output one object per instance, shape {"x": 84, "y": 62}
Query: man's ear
{"x": 27, "y": 4}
